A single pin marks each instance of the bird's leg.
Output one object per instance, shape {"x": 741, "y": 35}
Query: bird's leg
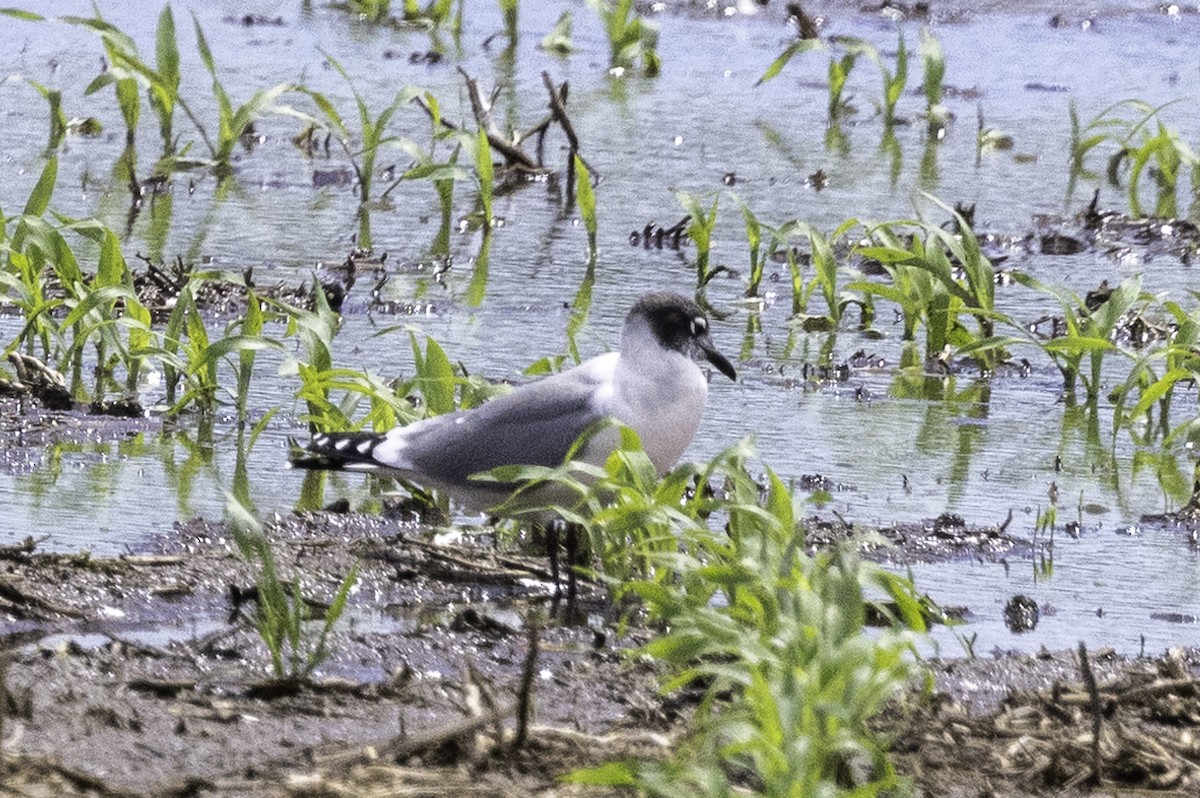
{"x": 551, "y": 530}
{"x": 572, "y": 546}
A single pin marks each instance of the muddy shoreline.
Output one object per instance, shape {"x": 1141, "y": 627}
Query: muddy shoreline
{"x": 136, "y": 675}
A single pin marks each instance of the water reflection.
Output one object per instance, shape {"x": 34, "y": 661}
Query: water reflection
{"x": 889, "y": 147}
{"x": 836, "y": 140}
{"x": 198, "y": 446}
{"x": 928, "y": 173}
{"x": 477, "y": 288}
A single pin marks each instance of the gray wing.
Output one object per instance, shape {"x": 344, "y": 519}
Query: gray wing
{"x": 534, "y": 425}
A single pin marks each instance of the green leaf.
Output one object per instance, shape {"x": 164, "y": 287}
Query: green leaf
{"x": 436, "y": 378}
{"x": 111, "y": 269}
{"x": 485, "y": 169}
{"x": 39, "y": 198}
{"x": 211, "y": 353}
{"x": 886, "y": 254}
{"x": 1075, "y": 344}
{"x": 22, "y": 14}
{"x": 206, "y": 55}
{"x": 166, "y": 49}
{"x": 95, "y": 299}
{"x": 253, "y": 108}
{"x": 129, "y": 100}
{"x": 935, "y": 66}
{"x": 586, "y": 195}
{"x": 329, "y": 110}
{"x": 793, "y": 49}
{"x": 679, "y": 649}
{"x": 558, "y": 40}
{"x": 1159, "y": 389}
{"x": 610, "y": 774}
{"x": 901, "y": 592}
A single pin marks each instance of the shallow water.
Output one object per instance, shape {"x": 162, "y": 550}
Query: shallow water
{"x": 975, "y": 454}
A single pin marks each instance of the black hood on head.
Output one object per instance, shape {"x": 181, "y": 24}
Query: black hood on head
{"x": 678, "y": 323}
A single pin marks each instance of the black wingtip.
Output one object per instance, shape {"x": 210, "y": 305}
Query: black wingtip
{"x": 334, "y": 451}
{"x": 304, "y": 457}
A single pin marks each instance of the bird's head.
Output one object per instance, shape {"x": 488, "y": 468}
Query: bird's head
{"x": 677, "y": 324}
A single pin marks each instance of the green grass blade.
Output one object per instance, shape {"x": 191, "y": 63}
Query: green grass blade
{"x": 166, "y": 49}
{"x": 43, "y": 190}
{"x": 585, "y": 194}
{"x": 22, "y": 14}
{"x": 792, "y": 50}
{"x": 485, "y": 169}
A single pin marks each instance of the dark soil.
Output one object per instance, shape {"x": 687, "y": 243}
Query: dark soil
{"x": 133, "y": 671}
{"x": 127, "y": 676}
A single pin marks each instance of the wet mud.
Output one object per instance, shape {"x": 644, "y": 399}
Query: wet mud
{"x": 141, "y": 675}
{"x": 143, "y": 672}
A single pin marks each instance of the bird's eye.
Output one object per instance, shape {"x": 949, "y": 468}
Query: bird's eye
{"x": 699, "y": 325}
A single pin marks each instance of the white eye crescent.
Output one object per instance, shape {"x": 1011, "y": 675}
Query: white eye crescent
{"x": 699, "y": 325}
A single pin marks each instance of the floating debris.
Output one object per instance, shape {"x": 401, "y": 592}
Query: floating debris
{"x": 1021, "y": 614}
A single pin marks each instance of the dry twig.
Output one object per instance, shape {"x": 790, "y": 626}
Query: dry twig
{"x": 525, "y": 694}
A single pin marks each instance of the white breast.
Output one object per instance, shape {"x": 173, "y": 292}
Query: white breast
{"x": 662, "y": 399}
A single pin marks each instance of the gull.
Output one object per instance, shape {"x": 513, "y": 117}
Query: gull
{"x": 653, "y": 385}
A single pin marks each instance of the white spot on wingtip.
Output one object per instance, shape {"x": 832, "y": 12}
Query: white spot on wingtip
{"x": 342, "y": 444}
{"x": 364, "y": 447}
{"x": 321, "y": 440}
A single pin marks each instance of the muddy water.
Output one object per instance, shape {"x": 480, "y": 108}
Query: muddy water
{"x": 895, "y": 454}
